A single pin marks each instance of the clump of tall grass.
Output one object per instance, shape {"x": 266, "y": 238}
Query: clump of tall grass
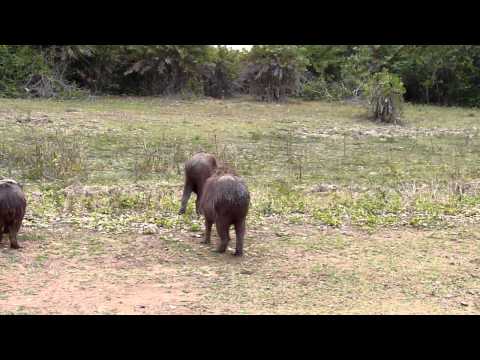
{"x": 45, "y": 155}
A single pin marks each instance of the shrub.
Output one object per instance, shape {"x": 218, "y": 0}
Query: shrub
{"x": 319, "y": 89}
{"x": 46, "y": 155}
{"x": 384, "y": 92}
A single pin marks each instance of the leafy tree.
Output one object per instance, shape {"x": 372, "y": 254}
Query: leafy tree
{"x": 221, "y": 74}
{"x": 99, "y": 69}
{"x": 440, "y": 74}
{"x": 273, "y": 72}
{"x": 444, "y": 74}
{"x": 166, "y": 69}
{"x": 17, "y": 65}
{"x": 327, "y": 73}
{"x": 326, "y": 61}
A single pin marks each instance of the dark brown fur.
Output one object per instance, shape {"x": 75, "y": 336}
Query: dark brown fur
{"x": 225, "y": 202}
{"x": 12, "y": 210}
{"x": 197, "y": 170}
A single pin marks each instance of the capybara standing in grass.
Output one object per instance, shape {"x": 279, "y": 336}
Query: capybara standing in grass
{"x": 12, "y": 210}
{"x": 197, "y": 170}
{"x": 225, "y": 202}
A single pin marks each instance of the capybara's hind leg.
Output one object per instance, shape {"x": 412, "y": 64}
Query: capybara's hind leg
{"x": 208, "y": 231}
{"x": 187, "y": 191}
{"x": 223, "y": 234}
{"x": 13, "y": 238}
{"x": 240, "y": 233}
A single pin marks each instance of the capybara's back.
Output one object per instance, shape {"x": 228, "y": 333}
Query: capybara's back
{"x": 12, "y": 209}
{"x": 197, "y": 170}
{"x": 225, "y": 202}
{"x": 229, "y": 196}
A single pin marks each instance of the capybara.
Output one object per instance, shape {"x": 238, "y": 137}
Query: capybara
{"x": 197, "y": 170}
{"x": 225, "y": 202}
{"x": 12, "y": 210}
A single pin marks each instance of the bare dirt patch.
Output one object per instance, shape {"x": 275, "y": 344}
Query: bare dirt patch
{"x": 43, "y": 279}
{"x": 305, "y": 270}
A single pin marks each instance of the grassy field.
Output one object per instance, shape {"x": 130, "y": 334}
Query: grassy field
{"x": 347, "y": 216}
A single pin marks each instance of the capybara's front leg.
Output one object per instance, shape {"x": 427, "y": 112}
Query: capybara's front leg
{"x": 187, "y": 191}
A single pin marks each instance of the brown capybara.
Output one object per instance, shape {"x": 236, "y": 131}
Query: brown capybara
{"x": 225, "y": 202}
{"x": 12, "y": 210}
{"x": 197, "y": 170}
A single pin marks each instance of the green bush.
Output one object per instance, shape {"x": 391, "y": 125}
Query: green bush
{"x": 319, "y": 89}
{"x": 438, "y": 74}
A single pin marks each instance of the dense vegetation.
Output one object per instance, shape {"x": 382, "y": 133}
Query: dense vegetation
{"x": 438, "y": 74}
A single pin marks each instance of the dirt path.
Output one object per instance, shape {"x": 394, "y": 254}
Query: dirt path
{"x": 300, "y": 270}
{"x": 39, "y": 280}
